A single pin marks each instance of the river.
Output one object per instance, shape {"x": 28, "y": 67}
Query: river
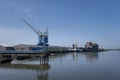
{"x": 65, "y": 66}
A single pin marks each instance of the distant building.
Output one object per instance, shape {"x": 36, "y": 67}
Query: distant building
{"x": 74, "y": 45}
{"x": 25, "y": 47}
{"x": 2, "y": 48}
{"x": 95, "y": 46}
{"x": 92, "y": 46}
{"x": 10, "y": 48}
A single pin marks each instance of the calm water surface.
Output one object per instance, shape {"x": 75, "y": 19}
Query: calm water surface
{"x": 70, "y": 66}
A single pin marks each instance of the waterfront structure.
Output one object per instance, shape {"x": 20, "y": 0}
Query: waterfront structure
{"x": 26, "y": 47}
{"x": 10, "y": 48}
{"x": 91, "y": 46}
{"x": 58, "y": 49}
{"x": 42, "y": 37}
{"x": 6, "y": 48}
{"x": 74, "y": 45}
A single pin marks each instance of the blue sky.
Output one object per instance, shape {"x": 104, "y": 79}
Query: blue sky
{"x": 69, "y": 21}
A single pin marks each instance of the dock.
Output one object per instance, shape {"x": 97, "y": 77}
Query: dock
{"x": 8, "y": 56}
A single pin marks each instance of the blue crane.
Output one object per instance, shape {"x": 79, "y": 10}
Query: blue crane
{"x": 42, "y": 37}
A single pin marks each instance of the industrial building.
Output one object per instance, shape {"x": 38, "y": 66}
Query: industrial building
{"x": 4, "y": 48}
{"x": 25, "y": 47}
{"x": 92, "y": 46}
{"x": 28, "y": 47}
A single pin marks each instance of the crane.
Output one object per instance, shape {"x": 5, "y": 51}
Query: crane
{"x": 42, "y": 37}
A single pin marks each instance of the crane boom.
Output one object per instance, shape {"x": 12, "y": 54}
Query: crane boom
{"x": 33, "y": 28}
{"x": 42, "y": 37}
{"x": 46, "y": 31}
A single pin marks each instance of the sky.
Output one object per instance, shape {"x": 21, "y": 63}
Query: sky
{"x": 68, "y": 21}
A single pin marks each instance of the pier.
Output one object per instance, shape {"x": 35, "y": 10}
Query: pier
{"x": 8, "y": 56}
{"x": 43, "y": 53}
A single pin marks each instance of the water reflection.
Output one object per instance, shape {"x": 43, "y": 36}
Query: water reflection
{"x": 91, "y": 56}
{"x": 106, "y": 68}
{"x": 74, "y": 55}
{"x": 118, "y": 51}
{"x": 40, "y": 69}
{"x": 42, "y": 75}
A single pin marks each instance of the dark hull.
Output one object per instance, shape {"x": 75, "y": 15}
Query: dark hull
{"x": 23, "y": 57}
{"x": 5, "y": 61}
